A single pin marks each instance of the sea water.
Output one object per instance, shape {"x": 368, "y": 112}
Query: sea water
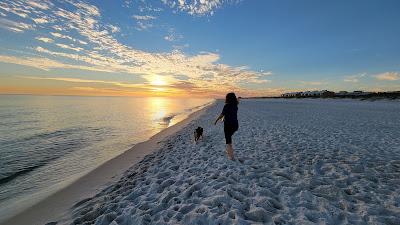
{"x": 46, "y": 141}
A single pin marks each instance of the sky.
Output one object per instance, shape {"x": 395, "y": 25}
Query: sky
{"x": 202, "y": 48}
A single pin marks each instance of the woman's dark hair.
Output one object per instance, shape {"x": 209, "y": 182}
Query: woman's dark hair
{"x": 231, "y": 99}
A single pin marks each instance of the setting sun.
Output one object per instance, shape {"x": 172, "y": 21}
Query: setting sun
{"x": 158, "y": 81}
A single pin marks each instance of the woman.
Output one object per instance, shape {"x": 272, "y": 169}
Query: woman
{"x": 231, "y": 124}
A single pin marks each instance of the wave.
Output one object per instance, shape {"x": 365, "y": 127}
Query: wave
{"x": 27, "y": 154}
{"x": 12, "y": 176}
{"x": 166, "y": 120}
{"x": 199, "y": 107}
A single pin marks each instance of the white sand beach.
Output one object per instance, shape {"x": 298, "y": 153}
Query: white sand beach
{"x": 305, "y": 161}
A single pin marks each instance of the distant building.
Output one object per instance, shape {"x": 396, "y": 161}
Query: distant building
{"x": 291, "y": 95}
{"x": 359, "y": 93}
{"x": 342, "y": 93}
{"x": 327, "y": 94}
{"x": 308, "y": 94}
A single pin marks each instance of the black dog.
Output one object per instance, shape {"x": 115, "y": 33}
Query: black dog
{"x": 198, "y": 133}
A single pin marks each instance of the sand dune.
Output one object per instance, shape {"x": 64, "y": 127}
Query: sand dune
{"x": 303, "y": 162}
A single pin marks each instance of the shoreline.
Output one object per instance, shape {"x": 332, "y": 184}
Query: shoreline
{"x": 57, "y": 205}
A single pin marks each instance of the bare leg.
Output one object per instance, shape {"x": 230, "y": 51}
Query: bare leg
{"x": 229, "y": 151}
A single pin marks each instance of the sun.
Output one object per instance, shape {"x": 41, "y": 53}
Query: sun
{"x": 157, "y": 80}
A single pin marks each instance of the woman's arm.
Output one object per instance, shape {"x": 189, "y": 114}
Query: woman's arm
{"x": 219, "y": 117}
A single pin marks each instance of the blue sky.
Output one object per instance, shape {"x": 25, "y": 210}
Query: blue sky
{"x": 177, "y": 47}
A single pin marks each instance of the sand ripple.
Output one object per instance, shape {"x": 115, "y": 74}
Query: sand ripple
{"x": 303, "y": 162}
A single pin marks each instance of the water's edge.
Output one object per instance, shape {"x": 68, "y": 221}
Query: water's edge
{"x": 57, "y": 204}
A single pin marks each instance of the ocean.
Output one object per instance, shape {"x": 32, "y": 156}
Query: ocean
{"x": 46, "y": 142}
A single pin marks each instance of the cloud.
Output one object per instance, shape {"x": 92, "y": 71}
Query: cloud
{"x": 266, "y": 73}
{"x": 103, "y": 52}
{"x": 391, "y": 76}
{"x": 16, "y": 9}
{"x": 77, "y": 49}
{"x": 119, "y": 88}
{"x": 199, "y": 8}
{"x": 78, "y": 80}
{"x": 43, "y": 63}
{"x": 106, "y": 91}
{"x": 143, "y": 21}
{"x": 58, "y": 35}
{"x": 149, "y": 9}
{"x": 173, "y": 36}
{"x": 81, "y": 42}
{"x": 26, "y": 8}
{"x": 180, "y": 47}
{"x": 192, "y": 7}
{"x": 312, "y": 83}
{"x": 114, "y": 29}
{"x": 354, "y": 78}
{"x": 143, "y": 26}
{"x": 41, "y": 4}
{"x": 45, "y": 39}
{"x": 145, "y": 17}
{"x": 18, "y": 27}
{"x": 40, "y": 20}
{"x": 89, "y": 10}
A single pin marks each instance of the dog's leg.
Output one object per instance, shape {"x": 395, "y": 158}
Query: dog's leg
{"x": 196, "y": 138}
